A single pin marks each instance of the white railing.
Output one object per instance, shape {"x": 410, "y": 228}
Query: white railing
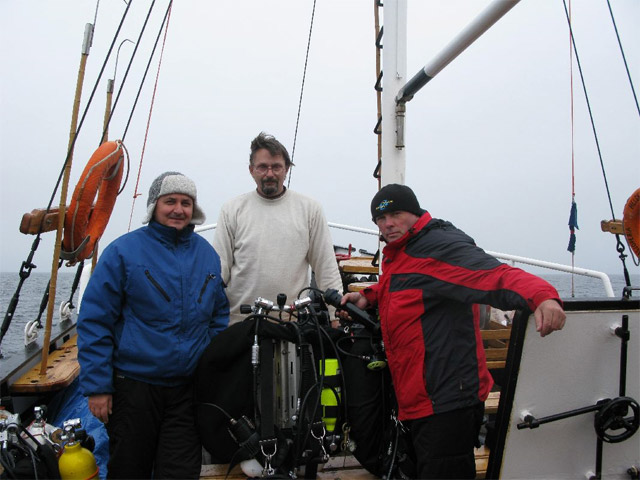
{"x": 503, "y": 256}
{"x": 559, "y": 267}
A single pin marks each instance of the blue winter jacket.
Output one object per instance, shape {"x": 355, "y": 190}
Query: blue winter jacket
{"x": 152, "y": 305}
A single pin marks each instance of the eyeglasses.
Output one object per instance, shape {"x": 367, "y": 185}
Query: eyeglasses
{"x": 262, "y": 169}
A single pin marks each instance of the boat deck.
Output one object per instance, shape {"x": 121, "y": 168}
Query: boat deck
{"x": 343, "y": 468}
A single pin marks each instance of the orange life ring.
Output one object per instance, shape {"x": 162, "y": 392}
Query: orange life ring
{"x": 101, "y": 176}
{"x": 631, "y": 221}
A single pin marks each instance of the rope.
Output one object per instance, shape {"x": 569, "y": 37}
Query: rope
{"x": 136, "y": 194}
{"x": 304, "y": 75}
{"x": 624, "y": 58}
{"x": 573, "y": 166}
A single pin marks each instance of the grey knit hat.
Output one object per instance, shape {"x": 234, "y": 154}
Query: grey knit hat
{"x": 173, "y": 182}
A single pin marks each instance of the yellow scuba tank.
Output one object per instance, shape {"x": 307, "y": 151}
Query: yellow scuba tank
{"x": 76, "y": 462}
{"x": 330, "y": 397}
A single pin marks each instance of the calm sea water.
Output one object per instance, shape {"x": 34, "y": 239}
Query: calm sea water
{"x": 35, "y": 286}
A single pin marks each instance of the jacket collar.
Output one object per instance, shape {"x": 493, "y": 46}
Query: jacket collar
{"x": 170, "y": 234}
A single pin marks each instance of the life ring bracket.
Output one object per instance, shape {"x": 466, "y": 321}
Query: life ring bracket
{"x": 70, "y": 256}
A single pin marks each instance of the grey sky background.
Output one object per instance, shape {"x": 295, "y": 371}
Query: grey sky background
{"x": 488, "y": 140}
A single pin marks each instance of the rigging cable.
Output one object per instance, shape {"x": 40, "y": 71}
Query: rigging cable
{"x": 619, "y": 245}
{"x": 136, "y": 194}
{"x": 126, "y": 74}
{"x": 304, "y": 75}
{"x": 624, "y": 58}
{"x": 633, "y": 91}
{"x": 28, "y": 265}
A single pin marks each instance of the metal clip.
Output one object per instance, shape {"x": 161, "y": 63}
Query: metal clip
{"x": 268, "y": 469}
{"x": 320, "y": 438}
{"x": 347, "y": 444}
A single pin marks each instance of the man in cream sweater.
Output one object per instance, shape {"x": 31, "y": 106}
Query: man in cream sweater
{"x": 268, "y": 238}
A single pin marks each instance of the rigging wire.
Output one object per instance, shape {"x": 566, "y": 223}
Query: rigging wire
{"x": 136, "y": 194}
{"x": 619, "y": 245}
{"x": 304, "y": 76}
{"x": 95, "y": 15}
{"x": 633, "y": 91}
{"x": 593, "y": 125}
{"x": 146, "y": 71}
{"x": 624, "y": 58}
{"x": 126, "y": 73}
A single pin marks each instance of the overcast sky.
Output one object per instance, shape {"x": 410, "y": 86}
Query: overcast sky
{"x": 488, "y": 140}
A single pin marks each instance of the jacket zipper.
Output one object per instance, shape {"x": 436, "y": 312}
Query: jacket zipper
{"x": 157, "y": 285}
{"x": 211, "y": 276}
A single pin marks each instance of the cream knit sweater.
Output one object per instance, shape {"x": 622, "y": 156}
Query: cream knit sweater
{"x": 266, "y": 247}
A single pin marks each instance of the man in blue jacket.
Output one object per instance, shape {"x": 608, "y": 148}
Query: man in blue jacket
{"x": 154, "y": 302}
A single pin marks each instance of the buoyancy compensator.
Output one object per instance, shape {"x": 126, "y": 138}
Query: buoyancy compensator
{"x": 263, "y": 374}
{"x": 280, "y": 397}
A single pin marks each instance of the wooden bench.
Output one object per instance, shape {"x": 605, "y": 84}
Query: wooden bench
{"x": 496, "y": 344}
{"x": 357, "y": 286}
{"x": 482, "y": 461}
{"x": 360, "y": 265}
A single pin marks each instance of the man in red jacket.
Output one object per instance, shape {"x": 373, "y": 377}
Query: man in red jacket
{"x": 432, "y": 275}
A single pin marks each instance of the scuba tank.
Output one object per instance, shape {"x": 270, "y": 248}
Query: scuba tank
{"x": 330, "y": 396}
{"x": 76, "y": 461}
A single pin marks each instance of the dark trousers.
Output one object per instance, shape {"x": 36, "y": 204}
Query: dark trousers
{"x": 152, "y": 432}
{"x": 444, "y": 443}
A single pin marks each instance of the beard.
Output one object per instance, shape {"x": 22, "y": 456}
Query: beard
{"x": 269, "y": 187}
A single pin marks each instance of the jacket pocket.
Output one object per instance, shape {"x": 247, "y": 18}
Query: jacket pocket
{"x": 158, "y": 287}
{"x": 203, "y": 290}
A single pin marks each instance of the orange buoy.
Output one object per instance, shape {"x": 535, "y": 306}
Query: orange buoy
{"x": 84, "y": 221}
{"x": 631, "y": 222}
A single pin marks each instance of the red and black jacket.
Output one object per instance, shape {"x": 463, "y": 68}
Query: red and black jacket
{"x": 431, "y": 279}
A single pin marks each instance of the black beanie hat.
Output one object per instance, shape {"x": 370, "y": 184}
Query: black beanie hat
{"x": 392, "y": 198}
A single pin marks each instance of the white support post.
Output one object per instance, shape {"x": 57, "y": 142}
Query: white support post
{"x": 394, "y": 68}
